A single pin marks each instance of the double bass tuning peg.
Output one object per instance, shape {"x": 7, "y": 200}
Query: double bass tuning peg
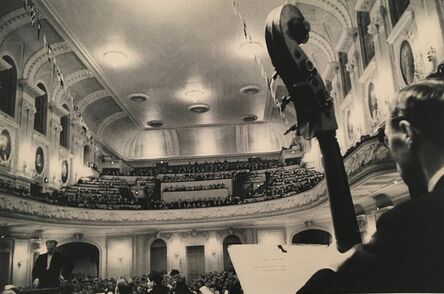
{"x": 291, "y": 129}
{"x": 284, "y": 101}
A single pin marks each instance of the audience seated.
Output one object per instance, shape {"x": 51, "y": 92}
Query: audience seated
{"x": 9, "y": 188}
{"x": 195, "y": 188}
{"x": 207, "y": 167}
{"x": 218, "y": 282}
{"x": 284, "y": 182}
{"x": 114, "y": 192}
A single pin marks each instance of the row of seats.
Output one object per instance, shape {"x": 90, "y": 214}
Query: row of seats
{"x": 195, "y": 188}
{"x": 198, "y": 203}
{"x": 198, "y": 177}
{"x": 285, "y": 181}
{"x": 203, "y": 167}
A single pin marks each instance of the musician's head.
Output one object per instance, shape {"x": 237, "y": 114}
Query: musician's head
{"x": 415, "y": 131}
{"x": 51, "y": 246}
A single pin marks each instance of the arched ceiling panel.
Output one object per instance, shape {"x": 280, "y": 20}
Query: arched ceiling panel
{"x": 27, "y": 34}
{"x": 69, "y": 63}
{"x": 322, "y": 22}
{"x": 99, "y": 110}
{"x": 85, "y": 87}
{"x": 10, "y": 5}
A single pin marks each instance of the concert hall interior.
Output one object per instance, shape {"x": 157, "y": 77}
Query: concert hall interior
{"x": 150, "y": 135}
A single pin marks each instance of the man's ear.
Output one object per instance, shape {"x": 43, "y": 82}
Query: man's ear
{"x": 409, "y": 132}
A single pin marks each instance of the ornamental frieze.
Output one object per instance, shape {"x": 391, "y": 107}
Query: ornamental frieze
{"x": 369, "y": 154}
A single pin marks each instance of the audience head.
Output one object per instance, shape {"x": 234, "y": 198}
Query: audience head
{"x": 9, "y": 289}
{"x": 415, "y": 130}
{"x": 51, "y": 246}
{"x": 155, "y": 277}
{"x": 124, "y": 285}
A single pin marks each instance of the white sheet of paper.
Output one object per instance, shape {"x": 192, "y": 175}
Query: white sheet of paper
{"x": 266, "y": 269}
{"x": 205, "y": 290}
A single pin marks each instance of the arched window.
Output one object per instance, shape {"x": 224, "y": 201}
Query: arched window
{"x": 397, "y": 8}
{"x": 229, "y": 240}
{"x": 8, "y": 87}
{"x": 365, "y": 38}
{"x": 158, "y": 256}
{"x": 86, "y": 155}
{"x": 41, "y": 107}
{"x": 312, "y": 236}
{"x": 345, "y": 75}
{"x": 64, "y": 134}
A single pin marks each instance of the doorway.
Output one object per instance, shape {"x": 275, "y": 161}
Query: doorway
{"x": 195, "y": 262}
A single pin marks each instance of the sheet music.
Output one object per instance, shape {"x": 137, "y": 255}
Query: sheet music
{"x": 205, "y": 290}
{"x": 267, "y": 269}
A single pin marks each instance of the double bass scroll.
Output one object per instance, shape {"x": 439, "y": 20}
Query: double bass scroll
{"x": 286, "y": 28}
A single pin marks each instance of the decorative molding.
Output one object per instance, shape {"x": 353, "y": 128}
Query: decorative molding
{"x": 18, "y": 207}
{"x": 39, "y": 138}
{"x": 55, "y": 124}
{"x": 113, "y": 117}
{"x": 78, "y": 236}
{"x": 90, "y": 98}
{"x": 405, "y": 22}
{"x": 196, "y": 234}
{"x": 58, "y": 109}
{"x": 12, "y": 21}
{"x": 368, "y": 72}
{"x": 322, "y": 43}
{"x": 69, "y": 81}
{"x": 77, "y": 142}
{"x": 39, "y": 58}
{"x": 364, "y": 5}
{"x": 346, "y": 40}
{"x": 30, "y": 88}
{"x": 4, "y": 65}
{"x": 334, "y": 7}
{"x": 28, "y": 106}
{"x": 350, "y": 66}
{"x": 368, "y": 155}
{"x": 377, "y": 22}
{"x": 330, "y": 70}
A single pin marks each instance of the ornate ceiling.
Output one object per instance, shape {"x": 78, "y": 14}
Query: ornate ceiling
{"x": 176, "y": 54}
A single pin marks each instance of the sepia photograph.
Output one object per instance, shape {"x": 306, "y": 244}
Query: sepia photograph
{"x": 221, "y": 146}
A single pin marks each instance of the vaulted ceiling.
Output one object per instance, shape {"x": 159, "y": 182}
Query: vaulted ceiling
{"x": 176, "y": 54}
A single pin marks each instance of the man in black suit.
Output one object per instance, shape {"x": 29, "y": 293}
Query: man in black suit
{"x": 406, "y": 254}
{"x": 50, "y": 267}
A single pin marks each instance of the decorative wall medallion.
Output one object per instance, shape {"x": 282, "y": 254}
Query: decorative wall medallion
{"x": 5, "y": 146}
{"x": 373, "y": 106}
{"x": 64, "y": 171}
{"x": 39, "y": 160}
{"x": 407, "y": 62}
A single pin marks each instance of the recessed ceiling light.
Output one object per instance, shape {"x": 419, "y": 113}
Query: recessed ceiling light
{"x": 139, "y": 97}
{"x": 250, "y": 118}
{"x": 199, "y": 108}
{"x": 195, "y": 94}
{"x": 251, "y": 49}
{"x": 250, "y": 90}
{"x": 155, "y": 123}
{"x": 115, "y": 58}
